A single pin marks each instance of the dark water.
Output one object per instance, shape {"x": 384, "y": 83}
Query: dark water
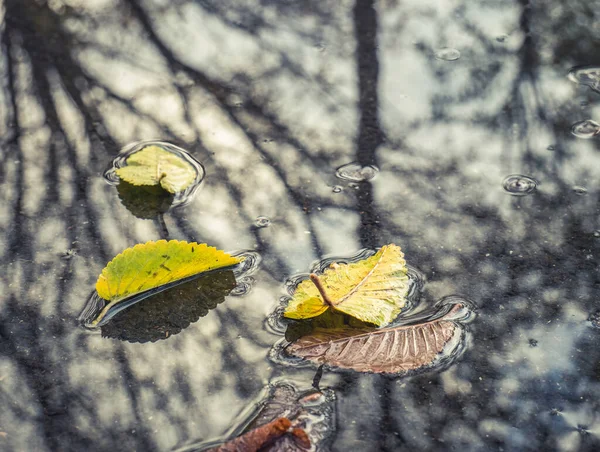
{"x": 273, "y": 97}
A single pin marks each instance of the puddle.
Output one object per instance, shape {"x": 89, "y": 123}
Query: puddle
{"x": 272, "y": 99}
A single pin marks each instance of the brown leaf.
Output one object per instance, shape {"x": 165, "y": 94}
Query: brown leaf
{"x": 256, "y": 439}
{"x": 394, "y": 350}
{"x": 311, "y": 417}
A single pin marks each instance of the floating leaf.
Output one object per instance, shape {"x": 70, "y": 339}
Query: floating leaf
{"x": 147, "y": 174}
{"x": 394, "y": 350}
{"x": 167, "y": 313}
{"x": 372, "y": 290}
{"x": 155, "y": 265}
{"x": 311, "y": 417}
{"x": 153, "y": 165}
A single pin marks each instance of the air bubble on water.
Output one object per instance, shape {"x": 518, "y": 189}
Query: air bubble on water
{"x": 337, "y": 189}
{"x": 588, "y": 76}
{"x": 597, "y": 233}
{"x": 519, "y": 185}
{"x": 580, "y": 190}
{"x": 235, "y": 100}
{"x": 355, "y": 172}
{"x": 447, "y": 54}
{"x": 262, "y": 222}
{"x": 182, "y": 79}
{"x": 585, "y": 129}
{"x": 533, "y": 343}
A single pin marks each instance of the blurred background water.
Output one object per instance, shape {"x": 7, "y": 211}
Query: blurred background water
{"x": 446, "y": 109}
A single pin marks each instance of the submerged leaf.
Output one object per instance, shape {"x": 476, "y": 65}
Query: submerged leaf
{"x": 372, "y": 290}
{"x": 165, "y": 314}
{"x": 156, "y": 264}
{"x": 153, "y": 165}
{"x": 311, "y": 416}
{"x": 258, "y": 438}
{"x": 394, "y": 350}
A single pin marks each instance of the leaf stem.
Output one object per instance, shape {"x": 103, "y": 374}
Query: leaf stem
{"x": 317, "y": 282}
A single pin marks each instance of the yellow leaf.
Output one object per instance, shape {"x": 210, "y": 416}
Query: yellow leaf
{"x": 153, "y": 165}
{"x": 372, "y": 290}
{"x": 155, "y": 264}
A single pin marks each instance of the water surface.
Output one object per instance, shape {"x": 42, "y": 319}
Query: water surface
{"x": 272, "y": 97}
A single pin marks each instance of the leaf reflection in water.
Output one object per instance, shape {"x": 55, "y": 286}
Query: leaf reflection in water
{"x": 168, "y": 312}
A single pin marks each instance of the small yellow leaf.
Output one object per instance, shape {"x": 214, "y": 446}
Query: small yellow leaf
{"x": 153, "y": 165}
{"x": 155, "y": 264}
{"x": 372, "y": 290}
{"x": 306, "y": 307}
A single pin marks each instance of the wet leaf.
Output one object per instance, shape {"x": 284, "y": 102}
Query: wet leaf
{"x": 156, "y": 264}
{"x": 153, "y": 165}
{"x": 395, "y": 350}
{"x": 258, "y": 438}
{"x": 311, "y": 415}
{"x": 372, "y": 290}
{"x": 167, "y": 313}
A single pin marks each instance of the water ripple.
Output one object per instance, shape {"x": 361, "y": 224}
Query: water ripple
{"x": 519, "y": 185}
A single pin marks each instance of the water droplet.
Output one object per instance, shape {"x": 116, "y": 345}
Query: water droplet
{"x": 337, "y": 189}
{"x": 501, "y": 38}
{"x": 447, "y": 54}
{"x": 356, "y": 172}
{"x": 551, "y": 148}
{"x": 580, "y": 190}
{"x": 588, "y": 76}
{"x": 585, "y": 129}
{"x": 262, "y": 222}
{"x": 594, "y": 319}
{"x": 533, "y": 343}
{"x": 519, "y": 185}
{"x": 597, "y": 234}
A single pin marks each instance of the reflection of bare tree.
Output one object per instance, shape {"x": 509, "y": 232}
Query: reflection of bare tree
{"x": 272, "y": 96}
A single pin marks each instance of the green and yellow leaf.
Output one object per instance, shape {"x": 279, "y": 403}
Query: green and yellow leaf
{"x": 372, "y": 290}
{"x": 155, "y": 264}
{"x": 154, "y": 165}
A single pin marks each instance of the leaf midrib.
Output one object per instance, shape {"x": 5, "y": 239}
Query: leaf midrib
{"x": 360, "y": 284}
